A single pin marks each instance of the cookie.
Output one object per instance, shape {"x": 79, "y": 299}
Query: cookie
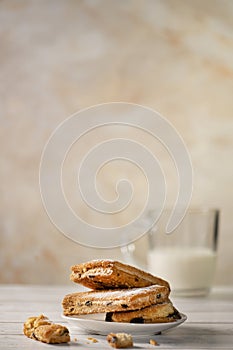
{"x": 52, "y": 334}
{"x": 158, "y": 313}
{"x": 40, "y": 328}
{"x": 120, "y": 340}
{"x": 33, "y": 322}
{"x": 110, "y": 274}
{"x": 113, "y": 300}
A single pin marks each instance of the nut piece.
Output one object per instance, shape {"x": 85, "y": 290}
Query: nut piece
{"x": 120, "y": 340}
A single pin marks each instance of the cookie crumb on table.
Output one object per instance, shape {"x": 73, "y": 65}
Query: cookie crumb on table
{"x": 153, "y": 342}
{"x": 120, "y": 340}
{"x": 93, "y": 340}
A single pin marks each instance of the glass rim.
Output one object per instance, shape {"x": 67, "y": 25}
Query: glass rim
{"x": 196, "y": 209}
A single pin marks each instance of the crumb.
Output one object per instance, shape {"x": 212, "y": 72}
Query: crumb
{"x": 75, "y": 339}
{"x": 153, "y": 342}
{"x": 120, "y": 340}
{"x": 93, "y": 340}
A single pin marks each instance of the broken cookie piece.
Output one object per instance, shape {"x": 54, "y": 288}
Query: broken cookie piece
{"x": 42, "y": 329}
{"x": 52, "y": 334}
{"x": 120, "y": 340}
{"x": 33, "y": 322}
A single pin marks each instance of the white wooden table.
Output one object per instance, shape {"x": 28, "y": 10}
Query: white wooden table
{"x": 209, "y": 324}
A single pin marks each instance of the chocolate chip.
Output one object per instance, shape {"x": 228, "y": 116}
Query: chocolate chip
{"x": 175, "y": 315}
{"x": 34, "y": 336}
{"x": 124, "y": 306}
{"x": 108, "y": 317}
{"x": 114, "y": 339}
{"x": 99, "y": 285}
{"x": 109, "y": 303}
{"x": 136, "y": 279}
{"x": 158, "y": 296}
{"x": 71, "y": 309}
{"x": 137, "y": 320}
{"x": 88, "y": 303}
{"x": 64, "y": 332}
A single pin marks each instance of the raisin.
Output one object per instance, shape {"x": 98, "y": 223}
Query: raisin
{"x": 158, "y": 296}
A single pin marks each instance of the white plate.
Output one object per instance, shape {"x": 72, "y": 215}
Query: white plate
{"x": 95, "y": 324}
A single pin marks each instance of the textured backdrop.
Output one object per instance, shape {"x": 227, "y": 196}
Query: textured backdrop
{"x": 57, "y": 57}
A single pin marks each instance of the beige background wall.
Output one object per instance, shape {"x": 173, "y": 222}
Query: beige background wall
{"x": 57, "y": 57}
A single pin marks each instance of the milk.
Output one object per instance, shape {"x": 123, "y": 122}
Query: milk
{"x": 185, "y": 268}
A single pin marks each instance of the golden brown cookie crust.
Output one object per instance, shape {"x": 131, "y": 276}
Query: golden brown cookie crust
{"x": 158, "y": 313}
{"x": 110, "y": 274}
{"x": 113, "y": 300}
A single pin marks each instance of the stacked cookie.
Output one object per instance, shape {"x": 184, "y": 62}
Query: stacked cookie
{"x": 123, "y": 292}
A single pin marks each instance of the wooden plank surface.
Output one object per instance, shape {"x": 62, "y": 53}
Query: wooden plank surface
{"x": 209, "y": 324}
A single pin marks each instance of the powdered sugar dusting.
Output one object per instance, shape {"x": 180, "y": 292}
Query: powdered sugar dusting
{"x": 124, "y": 293}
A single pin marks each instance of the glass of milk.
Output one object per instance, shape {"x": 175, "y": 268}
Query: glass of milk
{"x": 186, "y": 257}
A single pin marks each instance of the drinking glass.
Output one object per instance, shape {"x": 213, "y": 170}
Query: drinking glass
{"x": 186, "y": 258}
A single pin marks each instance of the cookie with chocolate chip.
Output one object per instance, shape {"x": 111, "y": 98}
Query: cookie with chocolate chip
{"x": 110, "y": 274}
{"x": 113, "y": 300}
{"x": 158, "y": 313}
